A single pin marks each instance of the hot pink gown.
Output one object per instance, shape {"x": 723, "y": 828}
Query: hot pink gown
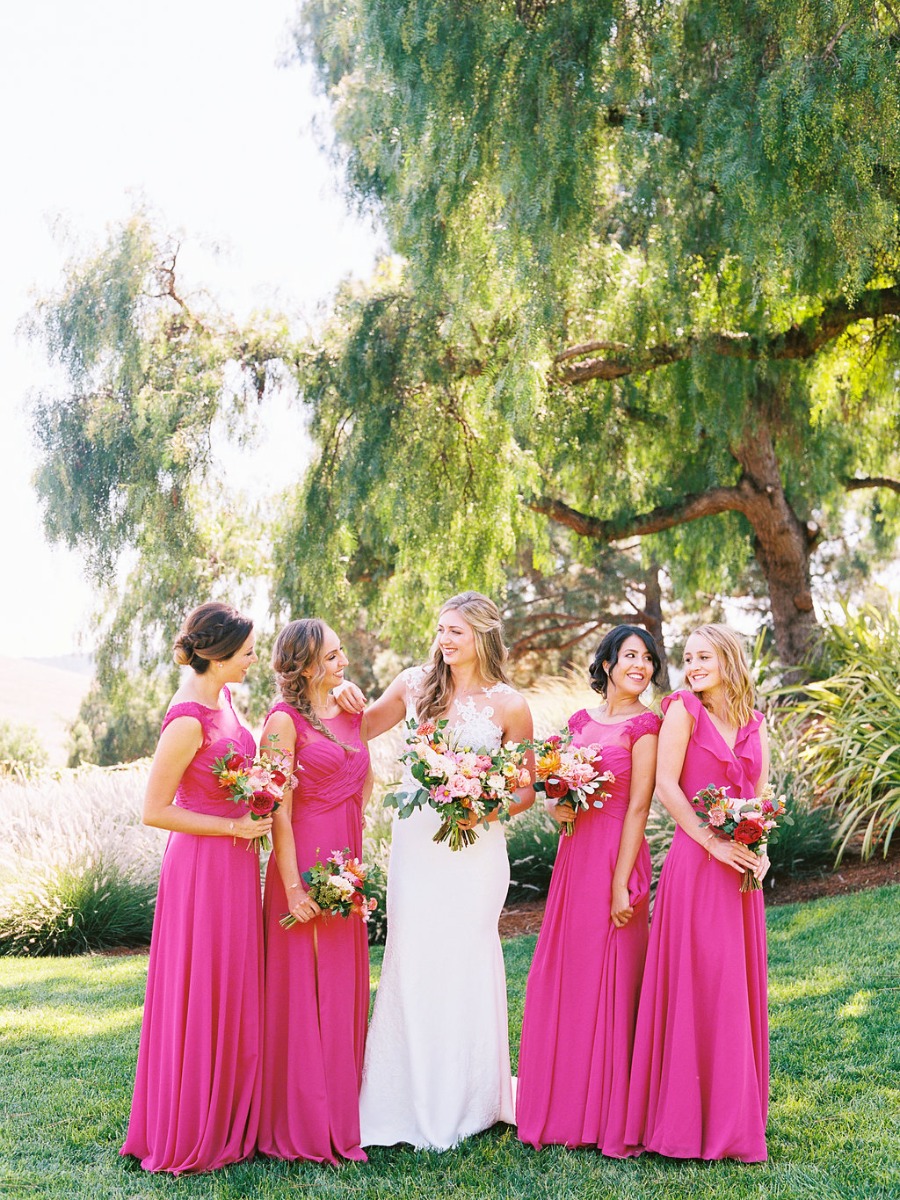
{"x": 196, "y": 1092}
{"x": 317, "y": 974}
{"x": 700, "y": 1075}
{"x": 582, "y": 993}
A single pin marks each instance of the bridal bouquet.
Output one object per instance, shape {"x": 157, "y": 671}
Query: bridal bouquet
{"x": 257, "y": 782}
{"x": 570, "y": 774}
{"x": 459, "y": 782}
{"x": 751, "y": 822}
{"x": 338, "y": 886}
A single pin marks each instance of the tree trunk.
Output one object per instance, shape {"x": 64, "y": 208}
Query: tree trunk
{"x": 653, "y": 620}
{"x": 782, "y": 544}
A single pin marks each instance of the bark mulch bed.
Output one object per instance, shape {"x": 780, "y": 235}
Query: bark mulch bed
{"x": 852, "y": 875}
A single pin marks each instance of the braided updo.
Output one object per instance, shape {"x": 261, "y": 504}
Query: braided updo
{"x": 211, "y": 633}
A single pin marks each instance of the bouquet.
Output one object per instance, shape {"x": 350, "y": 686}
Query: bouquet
{"x": 338, "y": 886}
{"x": 570, "y": 774}
{"x": 751, "y": 822}
{"x": 459, "y": 782}
{"x": 257, "y": 782}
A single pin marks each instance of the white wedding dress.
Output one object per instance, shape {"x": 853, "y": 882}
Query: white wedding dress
{"x": 437, "y": 1056}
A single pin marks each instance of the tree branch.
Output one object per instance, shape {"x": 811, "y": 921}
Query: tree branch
{"x": 690, "y": 508}
{"x": 797, "y": 342}
{"x": 875, "y": 481}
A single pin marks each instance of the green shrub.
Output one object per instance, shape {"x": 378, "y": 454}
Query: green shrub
{"x": 119, "y": 723}
{"x": 532, "y": 840}
{"x": 77, "y": 907}
{"x": 78, "y": 870}
{"x": 848, "y": 739}
{"x": 22, "y": 753}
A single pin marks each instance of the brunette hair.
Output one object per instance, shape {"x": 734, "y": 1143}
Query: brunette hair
{"x": 735, "y": 670}
{"x": 483, "y": 616}
{"x": 211, "y": 633}
{"x": 297, "y": 648}
{"x": 608, "y": 652}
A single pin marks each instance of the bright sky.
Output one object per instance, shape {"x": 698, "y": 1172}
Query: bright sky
{"x": 183, "y": 104}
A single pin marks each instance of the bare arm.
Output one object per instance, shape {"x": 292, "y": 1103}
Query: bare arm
{"x": 281, "y": 727}
{"x": 643, "y": 770}
{"x": 380, "y": 716}
{"x": 178, "y": 743}
{"x": 673, "y": 742}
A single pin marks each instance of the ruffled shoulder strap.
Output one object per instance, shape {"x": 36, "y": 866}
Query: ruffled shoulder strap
{"x": 688, "y": 699}
{"x": 643, "y": 724}
{"x": 578, "y": 720}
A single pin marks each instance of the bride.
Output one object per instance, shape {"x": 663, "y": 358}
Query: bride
{"x": 437, "y": 1057}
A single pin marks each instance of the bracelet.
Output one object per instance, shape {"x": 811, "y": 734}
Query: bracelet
{"x": 291, "y": 886}
{"x": 706, "y": 842}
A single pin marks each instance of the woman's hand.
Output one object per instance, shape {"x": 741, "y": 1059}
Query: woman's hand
{"x": 731, "y": 854}
{"x": 621, "y": 911}
{"x": 563, "y": 813}
{"x": 250, "y": 827}
{"x": 301, "y": 904}
{"x": 762, "y": 866}
{"x": 472, "y": 820}
{"x": 349, "y": 697}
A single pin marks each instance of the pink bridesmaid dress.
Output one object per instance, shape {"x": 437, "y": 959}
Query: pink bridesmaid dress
{"x": 317, "y": 974}
{"x": 700, "y": 1076}
{"x": 197, "y": 1088}
{"x": 582, "y": 992}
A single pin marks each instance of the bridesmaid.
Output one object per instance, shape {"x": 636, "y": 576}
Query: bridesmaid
{"x": 700, "y": 1074}
{"x": 317, "y": 972}
{"x": 582, "y": 993}
{"x": 196, "y": 1093}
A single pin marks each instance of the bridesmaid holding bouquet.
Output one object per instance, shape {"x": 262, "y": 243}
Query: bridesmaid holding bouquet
{"x": 700, "y": 1076}
{"x": 317, "y": 971}
{"x": 196, "y": 1092}
{"x": 582, "y": 993}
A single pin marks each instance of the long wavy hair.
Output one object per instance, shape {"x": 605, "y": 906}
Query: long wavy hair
{"x": 297, "y": 648}
{"x": 483, "y": 616}
{"x": 212, "y": 632}
{"x": 735, "y": 671}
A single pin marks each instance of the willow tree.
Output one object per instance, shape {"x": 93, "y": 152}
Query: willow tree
{"x": 650, "y": 286}
{"x": 128, "y": 474}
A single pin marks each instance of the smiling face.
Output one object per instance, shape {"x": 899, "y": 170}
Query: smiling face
{"x": 235, "y": 668}
{"x": 633, "y": 669}
{"x": 456, "y": 639}
{"x": 702, "y": 669}
{"x": 329, "y": 670}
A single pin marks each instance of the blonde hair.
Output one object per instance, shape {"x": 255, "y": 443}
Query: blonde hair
{"x": 297, "y": 647}
{"x": 735, "y": 671}
{"x": 483, "y": 616}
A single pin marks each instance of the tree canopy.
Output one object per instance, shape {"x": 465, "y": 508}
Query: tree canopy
{"x": 649, "y": 279}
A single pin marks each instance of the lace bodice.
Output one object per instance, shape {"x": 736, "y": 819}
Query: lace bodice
{"x": 472, "y": 723}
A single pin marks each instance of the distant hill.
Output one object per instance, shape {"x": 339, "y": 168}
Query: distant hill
{"x": 44, "y": 696}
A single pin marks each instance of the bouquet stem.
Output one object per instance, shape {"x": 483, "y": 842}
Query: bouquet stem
{"x": 457, "y": 836}
{"x": 750, "y": 883}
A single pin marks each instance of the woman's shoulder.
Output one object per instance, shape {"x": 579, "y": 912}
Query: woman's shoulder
{"x": 578, "y": 720}
{"x": 686, "y": 699}
{"x": 643, "y": 724}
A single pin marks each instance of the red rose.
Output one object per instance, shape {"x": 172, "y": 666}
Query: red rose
{"x": 261, "y": 803}
{"x": 748, "y": 832}
{"x": 279, "y": 778}
{"x": 234, "y": 762}
{"x": 358, "y": 899}
{"x": 555, "y": 788}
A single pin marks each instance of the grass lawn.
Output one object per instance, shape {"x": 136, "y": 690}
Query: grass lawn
{"x": 68, "y": 1040}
